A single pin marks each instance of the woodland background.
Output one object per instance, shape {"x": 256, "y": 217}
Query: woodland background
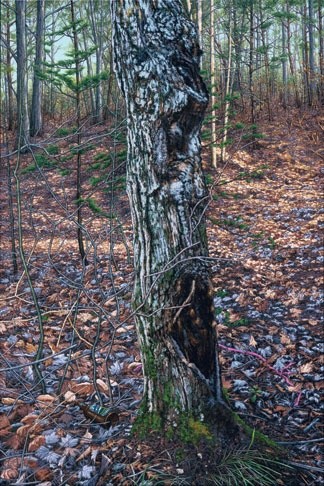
{"x": 66, "y": 330}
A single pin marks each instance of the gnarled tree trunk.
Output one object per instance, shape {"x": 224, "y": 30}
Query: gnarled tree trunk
{"x": 156, "y": 55}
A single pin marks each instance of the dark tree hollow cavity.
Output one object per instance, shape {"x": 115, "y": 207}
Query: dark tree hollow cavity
{"x": 156, "y": 56}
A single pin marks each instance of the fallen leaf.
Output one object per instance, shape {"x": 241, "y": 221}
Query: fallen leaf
{"x": 15, "y": 442}
{"x": 36, "y": 443}
{"x": 9, "y": 474}
{"x": 306, "y": 368}
{"x": 82, "y": 388}
{"x": 103, "y": 387}
{"x": 43, "y": 474}
{"x": 10, "y": 401}
{"x": 28, "y": 429}
{"x": 294, "y": 312}
{"x": 69, "y": 397}
{"x": 29, "y": 419}
{"x": 45, "y": 400}
{"x": 4, "y": 421}
{"x": 252, "y": 342}
{"x": 31, "y": 348}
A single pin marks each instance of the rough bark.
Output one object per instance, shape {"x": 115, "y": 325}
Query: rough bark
{"x": 157, "y": 55}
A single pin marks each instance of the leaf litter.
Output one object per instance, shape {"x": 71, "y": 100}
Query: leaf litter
{"x": 265, "y": 235}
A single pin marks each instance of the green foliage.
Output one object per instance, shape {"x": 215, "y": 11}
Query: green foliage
{"x": 64, "y": 131}
{"x": 82, "y": 149}
{"x": 209, "y": 179}
{"x": 41, "y": 162}
{"x": 94, "y": 206}
{"x": 255, "y": 393}
{"x": 230, "y": 223}
{"x": 64, "y": 172}
{"x": 252, "y": 133}
{"x": 53, "y": 149}
{"x": 120, "y": 182}
{"x": 94, "y": 181}
{"x": 247, "y": 467}
{"x": 221, "y": 293}
{"x": 256, "y": 174}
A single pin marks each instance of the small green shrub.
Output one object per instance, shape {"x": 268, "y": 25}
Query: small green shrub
{"x": 53, "y": 149}
{"x": 247, "y": 467}
{"x": 63, "y": 131}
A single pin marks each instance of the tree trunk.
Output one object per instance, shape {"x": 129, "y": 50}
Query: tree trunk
{"x": 78, "y": 120}
{"x": 251, "y": 59}
{"x": 228, "y": 89}
{"x": 321, "y": 51}
{"x": 156, "y": 55}
{"x": 36, "y": 109}
{"x": 284, "y": 65}
{"x": 9, "y": 90}
{"x": 213, "y": 85}
{"x": 97, "y": 32}
{"x": 312, "y": 81}
{"x": 22, "y": 141}
{"x": 266, "y": 63}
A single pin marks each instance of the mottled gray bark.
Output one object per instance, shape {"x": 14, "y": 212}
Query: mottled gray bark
{"x": 156, "y": 55}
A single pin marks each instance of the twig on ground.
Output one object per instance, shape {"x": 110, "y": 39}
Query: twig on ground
{"x": 284, "y": 374}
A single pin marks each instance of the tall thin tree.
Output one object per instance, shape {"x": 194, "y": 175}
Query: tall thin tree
{"x": 36, "y": 108}
{"x": 22, "y": 141}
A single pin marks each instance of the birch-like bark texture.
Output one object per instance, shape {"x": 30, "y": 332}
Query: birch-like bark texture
{"x": 156, "y": 56}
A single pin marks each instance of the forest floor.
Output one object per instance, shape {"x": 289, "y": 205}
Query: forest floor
{"x": 265, "y": 222}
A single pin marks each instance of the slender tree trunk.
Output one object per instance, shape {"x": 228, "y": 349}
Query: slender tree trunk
{"x": 10, "y": 114}
{"x": 307, "y": 93}
{"x": 89, "y": 96}
{"x": 52, "y": 100}
{"x": 158, "y": 72}
{"x": 96, "y": 25}
{"x": 312, "y": 80}
{"x": 11, "y": 214}
{"x": 78, "y": 121}
{"x": 284, "y": 65}
{"x": 266, "y": 65}
{"x": 237, "y": 39}
{"x": 290, "y": 57}
{"x": 321, "y": 50}
{"x": 251, "y": 58}
{"x": 22, "y": 141}
{"x": 228, "y": 86}
{"x": 36, "y": 109}
{"x": 213, "y": 84}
